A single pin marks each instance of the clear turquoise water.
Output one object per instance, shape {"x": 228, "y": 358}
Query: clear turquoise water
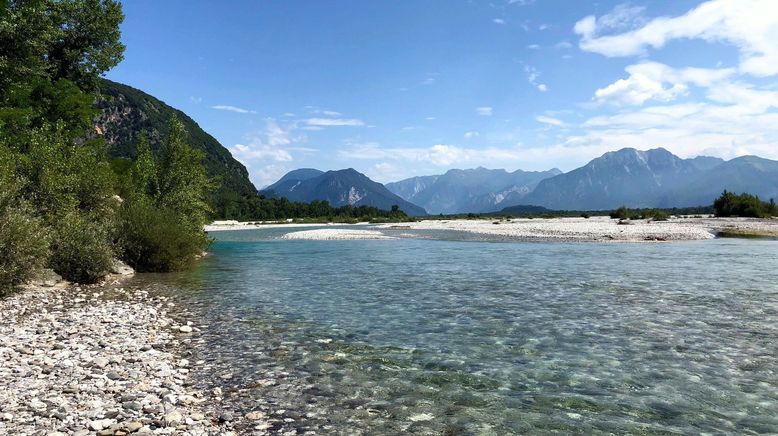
{"x": 444, "y": 336}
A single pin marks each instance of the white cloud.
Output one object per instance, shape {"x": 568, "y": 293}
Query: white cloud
{"x": 734, "y": 119}
{"x": 246, "y": 153}
{"x": 636, "y": 90}
{"x": 532, "y": 77}
{"x": 383, "y": 172}
{"x": 656, "y": 81}
{"x": 239, "y": 110}
{"x": 195, "y": 100}
{"x": 431, "y": 79}
{"x": 439, "y": 155}
{"x": 549, "y": 120}
{"x": 533, "y": 47}
{"x": 276, "y": 136}
{"x": 485, "y": 111}
{"x": 265, "y": 175}
{"x": 749, "y": 25}
{"x": 328, "y": 122}
{"x": 498, "y": 21}
{"x": 471, "y": 134}
{"x": 275, "y": 143}
{"x": 563, "y": 45}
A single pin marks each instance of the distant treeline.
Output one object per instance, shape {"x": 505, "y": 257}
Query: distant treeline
{"x": 259, "y": 208}
{"x": 541, "y": 212}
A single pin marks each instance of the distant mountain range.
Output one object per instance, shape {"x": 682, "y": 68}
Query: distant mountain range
{"x": 627, "y": 177}
{"x": 339, "y": 188}
{"x": 654, "y": 178}
{"x": 473, "y": 190}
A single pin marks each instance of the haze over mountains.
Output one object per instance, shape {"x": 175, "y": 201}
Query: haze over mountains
{"x": 652, "y": 178}
{"x": 473, "y": 190}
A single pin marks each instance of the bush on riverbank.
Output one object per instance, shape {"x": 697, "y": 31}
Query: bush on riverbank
{"x": 82, "y": 251}
{"x": 154, "y": 239}
{"x": 58, "y": 206}
{"x": 24, "y": 242}
{"x": 160, "y": 225}
{"x": 624, "y": 213}
{"x": 744, "y": 205}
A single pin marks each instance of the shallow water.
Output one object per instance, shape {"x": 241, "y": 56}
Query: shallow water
{"x": 444, "y": 336}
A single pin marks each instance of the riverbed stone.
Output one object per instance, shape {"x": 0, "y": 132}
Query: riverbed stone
{"x": 173, "y": 418}
{"x": 82, "y": 345}
{"x": 121, "y": 268}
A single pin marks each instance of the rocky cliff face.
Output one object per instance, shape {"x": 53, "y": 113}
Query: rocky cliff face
{"x": 125, "y": 112}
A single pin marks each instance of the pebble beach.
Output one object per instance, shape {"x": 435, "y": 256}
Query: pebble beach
{"x": 598, "y": 229}
{"x": 105, "y": 360}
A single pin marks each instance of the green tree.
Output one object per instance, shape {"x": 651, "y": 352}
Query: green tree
{"x": 55, "y": 181}
{"x": 161, "y": 221}
{"x": 75, "y": 40}
{"x": 744, "y": 205}
{"x": 183, "y": 183}
{"x": 143, "y": 182}
{"x": 62, "y": 176}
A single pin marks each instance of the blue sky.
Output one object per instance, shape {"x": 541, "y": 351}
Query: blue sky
{"x": 402, "y": 88}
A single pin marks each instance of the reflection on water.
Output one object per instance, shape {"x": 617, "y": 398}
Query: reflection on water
{"x": 444, "y": 336}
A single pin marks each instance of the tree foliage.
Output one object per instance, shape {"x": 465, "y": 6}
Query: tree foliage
{"x": 161, "y": 222}
{"x": 58, "y": 187}
{"x": 24, "y": 240}
{"x": 155, "y": 239}
{"x": 76, "y": 40}
{"x": 183, "y": 184}
{"x": 258, "y": 208}
{"x": 744, "y": 205}
{"x": 82, "y": 250}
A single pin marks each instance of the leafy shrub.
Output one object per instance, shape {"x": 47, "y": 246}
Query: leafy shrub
{"x": 24, "y": 243}
{"x": 621, "y": 213}
{"x": 624, "y": 213}
{"x": 153, "y": 239}
{"x": 585, "y": 215}
{"x": 744, "y": 205}
{"x": 655, "y": 215}
{"x": 82, "y": 251}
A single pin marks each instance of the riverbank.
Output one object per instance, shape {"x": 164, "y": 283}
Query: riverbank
{"x": 594, "y": 229}
{"x": 336, "y": 234}
{"x": 103, "y": 360}
{"x": 221, "y": 226}
{"x": 599, "y": 228}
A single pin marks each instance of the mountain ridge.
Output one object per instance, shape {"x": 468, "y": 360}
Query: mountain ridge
{"x": 339, "y": 187}
{"x": 631, "y": 177}
{"x": 469, "y": 190}
{"x": 125, "y": 112}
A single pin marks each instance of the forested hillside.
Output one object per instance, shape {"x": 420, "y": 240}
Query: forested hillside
{"x": 125, "y": 112}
